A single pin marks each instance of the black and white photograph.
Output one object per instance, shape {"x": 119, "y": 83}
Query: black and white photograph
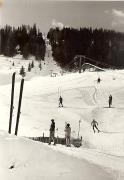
{"x": 61, "y": 90}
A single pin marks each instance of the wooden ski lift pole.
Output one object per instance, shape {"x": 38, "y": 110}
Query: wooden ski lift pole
{"x": 79, "y": 128}
{"x": 80, "y": 60}
{"x": 19, "y": 107}
{"x": 12, "y": 99}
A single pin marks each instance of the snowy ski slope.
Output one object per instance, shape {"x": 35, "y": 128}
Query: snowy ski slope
{"x": 84, "y": 100}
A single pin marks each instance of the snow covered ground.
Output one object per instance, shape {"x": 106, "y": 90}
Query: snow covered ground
{"x": 24, "y": 159}
{"x": 102, "y": 154}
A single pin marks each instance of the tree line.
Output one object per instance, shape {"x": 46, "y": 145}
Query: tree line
{"x": 25, "y": 40}
{"x": 106, "y": 46}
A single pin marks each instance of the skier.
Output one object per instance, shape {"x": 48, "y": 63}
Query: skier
{"x": 68, "y": 135}
{"x": 98, "y": 80}
{"x": 52, "y": 132}
{"x": 110, "y": 100}
{"x": 94, "y": 124}
{"x": 60, "y": 101}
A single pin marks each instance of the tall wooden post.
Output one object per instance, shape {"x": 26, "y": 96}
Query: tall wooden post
{"x": 80, "y": 60}
{"x": 79, "y": 128}
{"x": 84, "y": 59}
{"x": 19, "y": 107}
{"x": 12, "y": 99}
{"x": 0, "y": 42}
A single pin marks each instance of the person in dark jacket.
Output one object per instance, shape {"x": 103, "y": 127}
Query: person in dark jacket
{"x": 94, "y": 124}
{"x": 60, "y": 101}
{"x": 98, "y": 80}
{"x": 110, "y": 100}
{"x": 52, "y": 132}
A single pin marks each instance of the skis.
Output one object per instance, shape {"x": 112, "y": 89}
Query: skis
{"x": 19, "y": 104}
{"x": 11, "y": 106}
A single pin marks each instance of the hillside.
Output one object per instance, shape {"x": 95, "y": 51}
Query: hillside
{"x": 84, "y": 100}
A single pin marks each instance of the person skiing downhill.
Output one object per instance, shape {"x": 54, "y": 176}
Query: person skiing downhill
{"x": 68, "y": 135}
{"x": 60, "y": 101}
{"x": 98, "y": 80}
{"x": 52, "y": 132}
{"x": 110, "y": 100}
{"x": 94, "y": 124}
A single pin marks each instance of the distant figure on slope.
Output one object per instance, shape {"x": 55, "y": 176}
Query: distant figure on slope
{"x": 98, "y": 80}
{"x": 94, "y": 124}
{"x": 60, "y": 101}
{"x": 52, "y": 132}
{"x": 68, "y": 135}
{"x": 110, "y": 100}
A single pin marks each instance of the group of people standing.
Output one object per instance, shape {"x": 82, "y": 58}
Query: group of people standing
{"x": 67, "y": 134}
{"x": 67, "y": 130}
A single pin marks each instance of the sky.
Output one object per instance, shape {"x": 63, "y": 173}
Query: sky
{"x": 96, "y": 14}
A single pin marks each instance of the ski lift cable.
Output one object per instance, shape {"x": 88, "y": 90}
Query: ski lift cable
{"x": 96, "y": 94}
{"x": 103, "y": 92}
{"x": 58, "y": 92}
{"x": 100, "y": 92}
{"x": 92, "y": 96}
{"x": 102, "y": 88}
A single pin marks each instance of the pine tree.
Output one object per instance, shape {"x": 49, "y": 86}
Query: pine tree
{"x": 26, "y": 51}
{"x": 40, "y": 66}
{"x": 32, "y": 64}
{"x": 29, "y": 67}
{"x": 13, "y": 64}
{"x": 22, "y": 71}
